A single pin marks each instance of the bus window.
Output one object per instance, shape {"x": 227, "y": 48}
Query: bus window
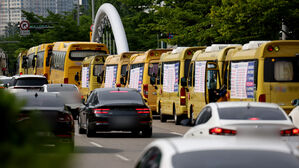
{"x": 159, "y": 74}
{"x": 187, "y": 63}
{"x": 98, "y": 69}
{"x": 80, "y": 55}
{"x": 124, "y": 70}
{"x": 212, "y": 79}
{"x": 281, "y": 70}
{"x": 190, "y": 72}
{"x": 153, "y": 69}
{"x": 40, "y": 59}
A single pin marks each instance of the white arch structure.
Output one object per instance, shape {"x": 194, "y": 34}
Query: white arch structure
{"x": 117, "y": 27}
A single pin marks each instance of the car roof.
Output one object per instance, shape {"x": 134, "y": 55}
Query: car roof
{"x": 28, "y": 76}
{"x": 244, "y": 104}
{"x": 182, "y": 145}
{"x": 115, "y": 89}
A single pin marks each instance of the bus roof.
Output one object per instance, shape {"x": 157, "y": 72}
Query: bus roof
{"x": 43, "y": 47}
{"x": 97, "y": 59}
{"x": 151, "y": 54}
{"x": 123, "y": 57}
{"x": 66, "y": 45}
{"x": 32, "y": 50}
{"x": 214, "y": 52}
{"x": 180, "y": 53}
{"x": 263, "y": 49}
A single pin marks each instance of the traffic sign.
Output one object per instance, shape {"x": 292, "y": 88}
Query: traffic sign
{"x": 91, "y": 27}
{"x": 24, "y": 25}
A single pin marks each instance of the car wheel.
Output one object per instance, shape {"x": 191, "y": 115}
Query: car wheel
{"x": 135, "y": 133}
{"x": 147, "y": 133}
{"x": 81, "y": 130}
{"x": 89, "y": 131}
{"x": 162, "y": 116}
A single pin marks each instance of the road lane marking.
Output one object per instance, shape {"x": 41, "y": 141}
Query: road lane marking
{"x": 97, "y": 145}
{"x": 122, "y": 157}
{"x": 176, "y": 133}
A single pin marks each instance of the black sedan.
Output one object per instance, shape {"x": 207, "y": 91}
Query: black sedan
{"x": 49, "y": 108}
{"x": 115, "y": 109}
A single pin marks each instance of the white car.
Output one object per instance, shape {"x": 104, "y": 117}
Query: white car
{"x": 242, "y": 118}
{"x": 294, "y": 114}
{"x": 218, "y": 152}
{"x": 30, "y": 82}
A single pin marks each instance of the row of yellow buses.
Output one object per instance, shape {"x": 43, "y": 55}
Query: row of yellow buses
{"x": 60, "y": 62}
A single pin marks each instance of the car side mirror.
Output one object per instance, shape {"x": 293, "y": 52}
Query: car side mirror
{"x": 152, "y": 80}
{"x": 295, "y": 102}
{"x": 183, "y": 81}
{"x": 6, "y": 85}
{"x": 77, "y": 77}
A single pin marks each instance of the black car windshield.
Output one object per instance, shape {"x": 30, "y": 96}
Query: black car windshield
{"x": 234, "y": 159}
{"x": 251, "y": 113}
{"x": 31, "y": 81}
{"x": 120, "y": 98}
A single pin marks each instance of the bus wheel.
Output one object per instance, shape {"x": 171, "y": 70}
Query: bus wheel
{"x": 162, "y": 116}
{"x": 191, "y": 116}
{"x": 177, "y": 119}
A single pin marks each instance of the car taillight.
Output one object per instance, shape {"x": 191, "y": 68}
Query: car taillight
{"x": 290, "y": 132}
{"x": 101, "y": 111}
{"x": 183, "y": 97}
{"x": 118, "y": 85}
{"x": 66, "y": 80}
{"x": 262, "y": 98}
{"x": 145, "y": 90}
{"x": 143, "y": 110}
{"x": 64, "y": 117}
{"x": 222, "y": 131}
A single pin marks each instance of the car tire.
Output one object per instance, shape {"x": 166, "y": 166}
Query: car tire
{"x": 135, "y": 133}
{"x": 147, "y": 133}
{"x": 80, "y": 130}
{"x": 89, "y": 131}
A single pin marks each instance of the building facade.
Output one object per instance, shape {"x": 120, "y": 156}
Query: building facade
{"x": 11, "y": 10}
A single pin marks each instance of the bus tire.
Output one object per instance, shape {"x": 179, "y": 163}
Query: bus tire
{"x": 177, "y": 119}
{"x": 162, "y": 116}
{"x": 192, "y": 122}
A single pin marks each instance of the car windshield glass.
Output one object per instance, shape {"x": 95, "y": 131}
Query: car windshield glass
{"x": 250, "y": 113}
{"x": 120, "y": 98}
{"x": 62, "y": 89}
{"x": 234, "y": 159}
{"x": 31, "y": 82}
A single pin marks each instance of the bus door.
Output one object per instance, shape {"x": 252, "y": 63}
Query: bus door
{"x": 282, "y": 77}
{"x": 152, "y": 73}
{"x": 212, "y": 82}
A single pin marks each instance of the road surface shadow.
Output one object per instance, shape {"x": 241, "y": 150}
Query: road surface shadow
{"x": 94, "y": 149}
{"x": 164, "y": 135}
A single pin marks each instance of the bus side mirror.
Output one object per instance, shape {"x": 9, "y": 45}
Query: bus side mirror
{"x": 152, "y": 80}
{"x": 99, "y": 79}
{"x": 122, "y": 80}
{"x": 77, "y": 77}
{"x": 24, "y": 64}
{"x": 183, "y": 81}
{"x": 33, "y": 63}
{"x": 83, "y": 101}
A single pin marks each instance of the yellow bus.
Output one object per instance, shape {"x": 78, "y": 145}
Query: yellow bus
{"x": 67, "y": 57}
{"x": 143, "y": 66}
{"x": 115, "y": 71}
{"x": 22, "y": 63}
{"x": 172, "y": 81}
{"x": 44, "y": 52}
{"x": 205, "y": 77}
{"x": 32, "y": 60}
{"x": 264, "y": 72}
{"x": 92, "y": 68}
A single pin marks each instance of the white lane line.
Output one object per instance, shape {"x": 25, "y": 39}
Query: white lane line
{"x": 176, "y": 133}
{"x": 122, "y": 157}
{"x": 97, "y": 145}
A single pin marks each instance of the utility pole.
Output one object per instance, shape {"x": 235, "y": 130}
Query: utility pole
{"x": 92, "y": 11}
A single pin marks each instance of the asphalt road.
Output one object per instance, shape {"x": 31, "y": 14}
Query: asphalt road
{"x": 117, "y": 149}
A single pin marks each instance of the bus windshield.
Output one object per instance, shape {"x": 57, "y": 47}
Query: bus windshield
{"x": 81, "y": 54}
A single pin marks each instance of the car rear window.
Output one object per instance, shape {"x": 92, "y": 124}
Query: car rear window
{"x": 31, "y": 82}
{"x": 247, "y": 113}
{"x": 120, "y": 98}
{"x": 234, "y": 159}
{"x": 42, "y": 101}
{"x": 62, "y": 89}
